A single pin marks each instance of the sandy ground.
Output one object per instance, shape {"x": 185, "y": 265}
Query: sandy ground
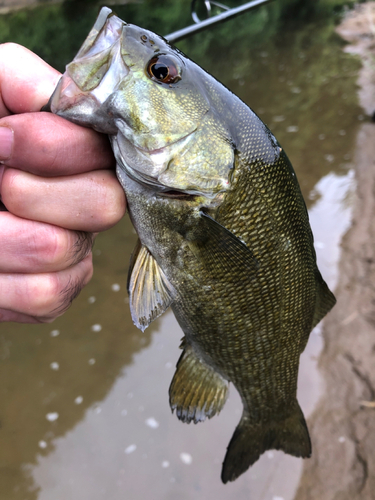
{"x": 342, "y": 428}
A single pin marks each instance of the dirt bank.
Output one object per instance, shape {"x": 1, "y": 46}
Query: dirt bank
{"x": 342, "y": 428}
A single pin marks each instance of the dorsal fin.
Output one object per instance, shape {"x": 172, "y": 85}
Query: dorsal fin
{"x": 149, "y": 289}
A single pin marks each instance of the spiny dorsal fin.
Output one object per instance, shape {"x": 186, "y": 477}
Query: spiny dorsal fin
{"x": 149, "y": 289}
{"x": 196, "y": 391}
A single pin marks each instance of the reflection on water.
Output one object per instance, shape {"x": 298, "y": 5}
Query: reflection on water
{"x": 84, "y": 403}
{"x": 330, "y": 219}
{"x": 156, "y": 453}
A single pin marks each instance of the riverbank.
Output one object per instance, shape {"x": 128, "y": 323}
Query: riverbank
{"x": 342, "y": 427}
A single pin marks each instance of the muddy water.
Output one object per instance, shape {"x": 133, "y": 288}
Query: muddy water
{"x": 83, "y": 402}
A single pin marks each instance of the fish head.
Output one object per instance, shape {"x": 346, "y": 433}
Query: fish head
{"x": 153, "y": 102}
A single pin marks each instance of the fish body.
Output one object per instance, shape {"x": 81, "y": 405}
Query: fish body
{"x": 224, "y": 235}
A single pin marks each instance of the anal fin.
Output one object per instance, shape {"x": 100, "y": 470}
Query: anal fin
{"x": 197, "y": 391}
{"x": 149, "y": 289}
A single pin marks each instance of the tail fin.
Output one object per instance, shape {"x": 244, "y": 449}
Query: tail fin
{"x": 250, "y": 440}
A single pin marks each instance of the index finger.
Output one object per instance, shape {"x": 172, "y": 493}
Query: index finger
{"x": 41, "y": 143}
{"x": 48, "y": 145}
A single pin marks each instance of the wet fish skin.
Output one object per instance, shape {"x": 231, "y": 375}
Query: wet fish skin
{"x": 224, "y": 233}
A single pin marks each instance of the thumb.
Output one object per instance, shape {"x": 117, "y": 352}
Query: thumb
{"x": 26, "y": 81}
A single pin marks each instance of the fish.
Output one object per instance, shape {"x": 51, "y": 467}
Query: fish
{"x": 224, "y": 233}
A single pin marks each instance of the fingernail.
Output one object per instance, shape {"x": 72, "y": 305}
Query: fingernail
{"x": 6, "y": 143}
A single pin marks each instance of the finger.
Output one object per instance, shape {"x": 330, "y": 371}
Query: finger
{"x": 6, "y": 315}
{"x": 26, "y": 81}
{"x": 34, "y": 247}
{"x": 46, "y": 144}
{"x": 44, "y": 296}
{"x": 84, "y": 202}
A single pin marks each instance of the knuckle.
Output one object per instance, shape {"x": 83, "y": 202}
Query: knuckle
{"x": 60, "y": 291}
{"x": 42, "y": 294}
{"x": 40, "y": 298}
{"x": 114, "y": 204}
{"x": 44, "y": 247}
{"x": 12, "y": 189}
{"x": 50, "y": 249}
{"x": 117, "y": 212}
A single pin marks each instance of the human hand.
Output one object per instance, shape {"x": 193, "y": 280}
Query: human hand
{"x": 59, "y": 187}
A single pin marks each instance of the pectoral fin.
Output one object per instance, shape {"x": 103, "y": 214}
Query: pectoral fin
{"x": 222, "y": 249}
{"x": 149, "y": 289}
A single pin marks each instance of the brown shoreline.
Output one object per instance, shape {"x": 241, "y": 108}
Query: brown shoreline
{"x": 342, "y": 427}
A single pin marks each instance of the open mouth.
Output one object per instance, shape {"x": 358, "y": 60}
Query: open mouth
{"x": 94, "y": 73}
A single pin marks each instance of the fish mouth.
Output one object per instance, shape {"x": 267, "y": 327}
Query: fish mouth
{"x": 92, "y": 76}
{"x": 67, "y": 94}
{"x": 69, "y": 102}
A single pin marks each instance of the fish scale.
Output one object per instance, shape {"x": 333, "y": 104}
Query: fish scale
{"x": 224, "y": 235}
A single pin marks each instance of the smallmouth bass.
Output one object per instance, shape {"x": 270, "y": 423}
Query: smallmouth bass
{"x": 224, "y": 235}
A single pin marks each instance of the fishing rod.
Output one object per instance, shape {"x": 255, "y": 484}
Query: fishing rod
{"x": 219, "y": 18}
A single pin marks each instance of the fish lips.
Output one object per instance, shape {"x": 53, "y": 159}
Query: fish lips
{"x": 68, "y": 101}
{"x": 83, "y": 93}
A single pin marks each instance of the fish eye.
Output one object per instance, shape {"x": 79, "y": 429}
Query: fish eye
{"x": 163, "y": 69}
